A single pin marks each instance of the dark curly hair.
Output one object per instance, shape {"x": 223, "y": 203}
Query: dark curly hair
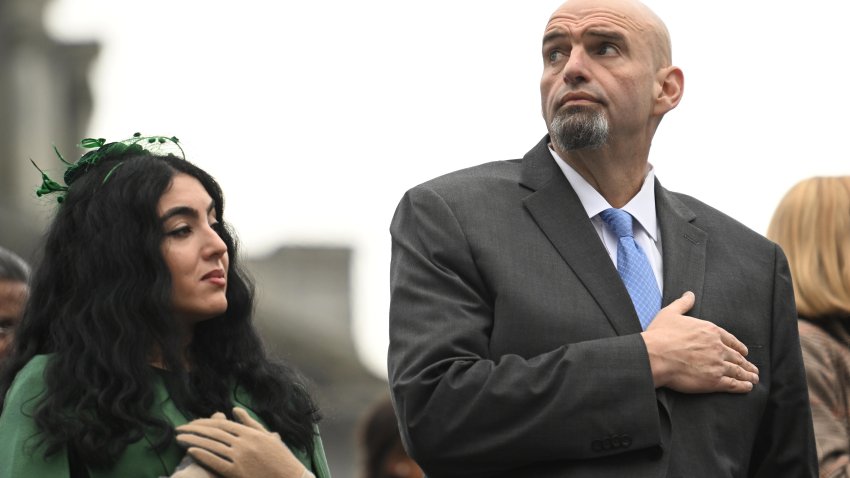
{"x": 101, "y": 303}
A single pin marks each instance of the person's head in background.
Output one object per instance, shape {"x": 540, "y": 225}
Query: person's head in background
{"x": 14, "y": 280}
{"x": 812, "y": 225}
{"x": 382, "y": 454}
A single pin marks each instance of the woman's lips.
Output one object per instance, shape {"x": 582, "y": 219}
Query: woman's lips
{"x": 216, "y": 277}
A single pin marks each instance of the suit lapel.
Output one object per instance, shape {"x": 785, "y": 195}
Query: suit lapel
{"x": 683, "y": 249}
{"x": 558, "y": 212}
{"x": 683, "y": 246}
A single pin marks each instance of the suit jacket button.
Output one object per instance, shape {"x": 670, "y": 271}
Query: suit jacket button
{"x": 606, "y": 444}
{"x": 616, "y": 441}
{"x": 626, "y": 441}
{"x": 596, "y": 445}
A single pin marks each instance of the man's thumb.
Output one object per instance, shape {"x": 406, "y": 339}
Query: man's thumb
{"x": 684, "y": 303}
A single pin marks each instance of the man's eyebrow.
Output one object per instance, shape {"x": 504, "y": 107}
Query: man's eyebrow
{"x": 607, "y": 35}
{"x": 553, "y": 35}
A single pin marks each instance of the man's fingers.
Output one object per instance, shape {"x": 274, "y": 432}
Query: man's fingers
{"x": 740, "y": 374}
{"x": 732, "y": 342}
{"x": 730, "y": 385}
{"x": 740, "y": 352}
{"x": 749, "y": 367}
{"x": 737, "y": 359}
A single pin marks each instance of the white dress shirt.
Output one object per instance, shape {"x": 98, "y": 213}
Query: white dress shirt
{"x": 641, "y": 207}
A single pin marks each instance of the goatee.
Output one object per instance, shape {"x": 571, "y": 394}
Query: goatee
{"x": 578, "y": 127}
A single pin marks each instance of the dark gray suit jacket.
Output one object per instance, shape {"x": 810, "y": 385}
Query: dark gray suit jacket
{"x": 515, "y": 349}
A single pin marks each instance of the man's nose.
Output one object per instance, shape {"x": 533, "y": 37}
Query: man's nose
{"x": 576, "y": 68}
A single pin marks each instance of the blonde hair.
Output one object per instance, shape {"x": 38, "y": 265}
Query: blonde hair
{"x": 812, "y": 225}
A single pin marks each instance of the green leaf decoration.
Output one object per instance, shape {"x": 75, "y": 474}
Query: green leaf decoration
{"x": 56, "y": 150}
{"x": 92, "y": 142}
{"x": 105, "y": 178}
{"x": 48, "y": 185}
{"x": 100, "y": 151}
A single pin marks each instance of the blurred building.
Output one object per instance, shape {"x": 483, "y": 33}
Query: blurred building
{"x": 304, "y": 294}
{"x": 44, "y": 100}
{"x": 304, "y": 313}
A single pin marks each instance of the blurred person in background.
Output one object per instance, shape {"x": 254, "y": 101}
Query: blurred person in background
{"x": 812, "y": 224}
{"x": 382, "y": 454}
{"x": 14, "y": 279}
{"x": 141, "y": 326}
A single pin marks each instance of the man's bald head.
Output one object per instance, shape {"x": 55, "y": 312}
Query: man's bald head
{"x": 637, "y": 14}
{"x": 608, "y": 77}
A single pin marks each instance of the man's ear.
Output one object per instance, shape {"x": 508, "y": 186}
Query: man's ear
{"x": 671, "y": 85}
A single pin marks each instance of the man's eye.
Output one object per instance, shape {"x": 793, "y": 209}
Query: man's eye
{"x": 607, "y": 49}
{"x": 555, "y": 55}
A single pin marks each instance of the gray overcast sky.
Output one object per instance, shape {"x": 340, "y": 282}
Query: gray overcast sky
{"x": 317, "y": 116}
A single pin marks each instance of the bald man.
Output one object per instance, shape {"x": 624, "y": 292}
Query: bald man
{"x": 565, "y": 315}
{"x": 14, "y": 279}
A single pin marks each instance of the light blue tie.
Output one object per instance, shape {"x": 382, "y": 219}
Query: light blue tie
{"x": 633, "y": 266}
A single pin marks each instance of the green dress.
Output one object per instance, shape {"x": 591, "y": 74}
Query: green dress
{"x": 139, "y": 460}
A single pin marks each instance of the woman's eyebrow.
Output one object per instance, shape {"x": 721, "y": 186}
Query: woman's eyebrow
{"x": 179, "y": 211}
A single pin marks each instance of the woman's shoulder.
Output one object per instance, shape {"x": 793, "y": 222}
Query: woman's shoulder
{"x": 35, "y": 366}
{"x": 823, "y": 333}
{"x": 824, "y": 342}
{"x": 29, "y": 381}
{"x": 18, "y": 430}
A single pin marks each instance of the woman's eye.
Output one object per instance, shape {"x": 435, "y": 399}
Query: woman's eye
{"x": 180, "y": 231}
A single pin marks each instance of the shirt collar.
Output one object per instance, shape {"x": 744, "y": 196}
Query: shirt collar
{"x": 641, "y": 207}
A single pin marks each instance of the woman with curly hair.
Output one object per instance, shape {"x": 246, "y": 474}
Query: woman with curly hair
{"x": 812, "y": 224}
{"x": 140, "y": 322}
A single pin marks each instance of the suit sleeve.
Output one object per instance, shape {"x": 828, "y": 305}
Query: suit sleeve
{"x": 465, "y": 413}
{"x": 785, "y": 444}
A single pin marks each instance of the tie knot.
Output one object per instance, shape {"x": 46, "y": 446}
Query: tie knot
{"x": 619, "y": 221}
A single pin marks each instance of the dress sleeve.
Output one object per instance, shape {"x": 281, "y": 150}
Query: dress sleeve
{"x": 320, "y": 461}
{"x": 21, "y": 453}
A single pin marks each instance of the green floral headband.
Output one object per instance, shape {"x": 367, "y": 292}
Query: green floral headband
{"x": 102, "y": 150}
